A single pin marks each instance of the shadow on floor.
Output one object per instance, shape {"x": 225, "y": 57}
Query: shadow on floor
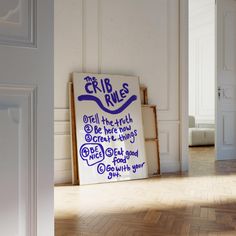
{"x": 202, "y": 202}
{"x": 215, "y": 219}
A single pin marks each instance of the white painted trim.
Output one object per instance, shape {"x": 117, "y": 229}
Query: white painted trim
{"x": 26, "y": 98}
{"x": 184, "y": 44}
{"x": 216, "y": 81}
{"x": 183, "y": 66}
{"x": 30, "y": 39}
{"x": 170, "y": 166}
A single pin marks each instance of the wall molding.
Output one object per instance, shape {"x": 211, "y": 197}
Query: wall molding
{"x": 83, "y": 36}
{"x": 61, "y": 114}
{"x": 21, "y": 101}
{"x": 168, "y": 51}
{"x": 99, "y": 18}
{"x": 228, "y": 38}
{"x": 61, "y": 128}
{"x": 94, "y": 29}
{"x": 170, "y": 166}
{"x": 100, "y": 30}
{"x": 202, "y": 57}
{"x": 183, "y": 75}
{"x": 165, "y": 134}
{"x": 21, "y": 33}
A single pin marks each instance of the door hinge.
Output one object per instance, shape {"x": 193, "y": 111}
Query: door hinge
{"x": 219, "y": 92}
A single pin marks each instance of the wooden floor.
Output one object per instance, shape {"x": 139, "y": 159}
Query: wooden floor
{"x": 200, "y": 203}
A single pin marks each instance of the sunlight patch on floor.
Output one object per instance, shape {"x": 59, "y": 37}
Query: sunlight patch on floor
{"x": 170, "y": 192}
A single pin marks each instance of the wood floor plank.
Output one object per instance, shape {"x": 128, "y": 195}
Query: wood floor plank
{"x": 202, "y": 202}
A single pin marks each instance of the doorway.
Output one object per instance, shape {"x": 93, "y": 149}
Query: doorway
{"x": 201, "y": 87}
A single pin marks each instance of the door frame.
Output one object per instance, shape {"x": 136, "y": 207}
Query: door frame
{"x": 184, "y": 82}
{"x": 183, "y": 79}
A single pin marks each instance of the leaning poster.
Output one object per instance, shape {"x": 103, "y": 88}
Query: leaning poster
{"x": 109, "y": 129}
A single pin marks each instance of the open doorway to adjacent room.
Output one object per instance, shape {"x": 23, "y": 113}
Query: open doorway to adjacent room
{"x": 201, "y": 83}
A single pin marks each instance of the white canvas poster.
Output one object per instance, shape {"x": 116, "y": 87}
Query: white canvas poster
{"x": 109, "y": 128}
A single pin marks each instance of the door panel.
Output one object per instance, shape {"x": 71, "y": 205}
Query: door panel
{"x": 229, "y": 128}
{"x": 26, "y": 117}
{"x": 9, "y": 178}
{"x": 226, "y": 80}
{"x": 17, "y": 22}
{"x": 18, "y": 161}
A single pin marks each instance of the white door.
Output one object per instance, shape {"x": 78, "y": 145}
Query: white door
{"x": 226, "y": 80}
{"x": 26, "y": 117}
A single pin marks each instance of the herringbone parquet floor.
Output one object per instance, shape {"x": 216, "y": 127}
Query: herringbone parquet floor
{"x": 200, "y": 203}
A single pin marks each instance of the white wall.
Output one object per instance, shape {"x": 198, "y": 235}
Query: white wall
{"x": 128, "y": 37}
{"x": 201, "y": 60}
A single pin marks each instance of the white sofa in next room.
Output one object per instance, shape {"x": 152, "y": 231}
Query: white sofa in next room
{"x": 200, "y": 136}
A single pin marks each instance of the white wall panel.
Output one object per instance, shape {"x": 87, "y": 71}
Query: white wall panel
{"x": 169, "y": 146}
{"x": 62, "y": 171}
{"x": 62, "y": 147}
{"x": 129, "y": 37}
{"x": 168, "y": 140}
{"x": 140, "y": 37}
{"x": 61, "y": 165}
{"x": 62, "y": 177}
{"x": 61, "y": 114}
{"x": 62, "y": 151}
{"x": 91, "y": 13}
{"x": 202, "y": 60}
{"x": 68, "y": 47}
{"x": 164, "y": 137}
{"x": 62, "y": 128}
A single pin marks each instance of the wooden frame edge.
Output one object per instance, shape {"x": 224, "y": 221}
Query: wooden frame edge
{"x": 74, "y": 154}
